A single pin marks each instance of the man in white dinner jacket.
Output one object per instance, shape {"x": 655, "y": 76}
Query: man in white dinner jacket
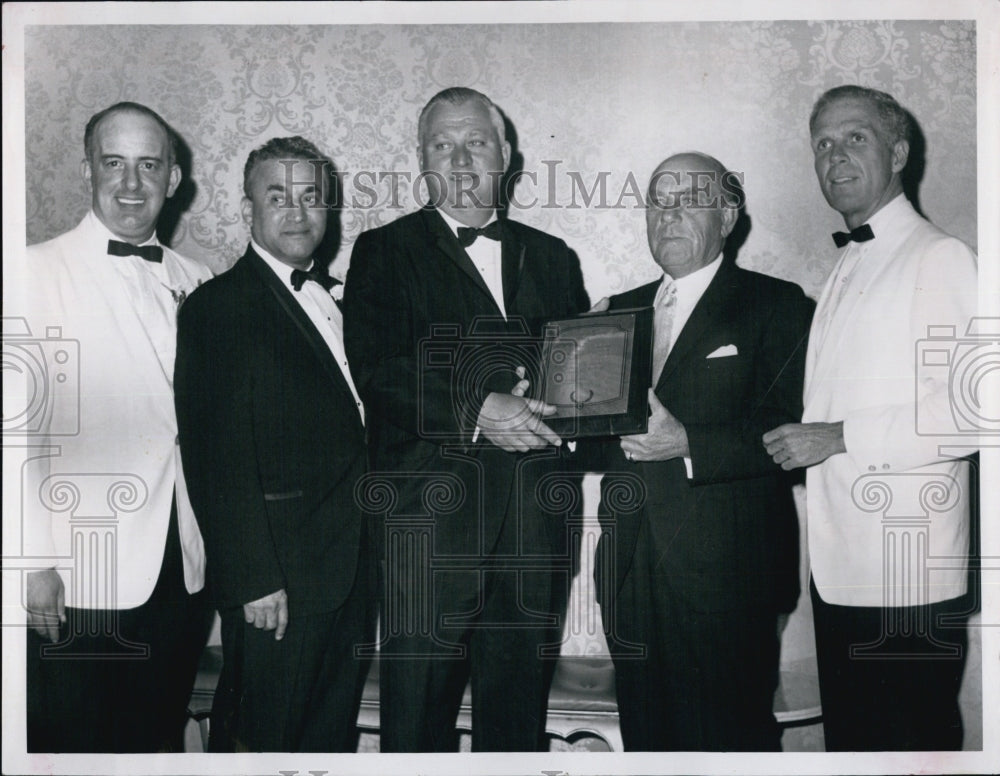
{"x": 116, "y": 621}
{"x": 888, "y": 508}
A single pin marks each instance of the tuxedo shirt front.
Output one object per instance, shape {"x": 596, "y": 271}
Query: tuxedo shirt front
{"x": 690, "y": 289}
{"x": 486, "y": 257}
{"x": 319, "y": 305}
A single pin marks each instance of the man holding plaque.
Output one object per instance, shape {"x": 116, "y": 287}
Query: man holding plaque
{"x": 699, "y": 539}
{"x": 440, "y": 309}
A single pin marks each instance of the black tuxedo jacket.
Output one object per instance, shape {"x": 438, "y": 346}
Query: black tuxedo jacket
{"x": 427, "y": 343}
{"x": 728, "y": 537}
{"x": 271, "y": 441}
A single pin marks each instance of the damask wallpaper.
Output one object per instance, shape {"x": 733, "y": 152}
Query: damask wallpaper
{"x": 593, "y": 108}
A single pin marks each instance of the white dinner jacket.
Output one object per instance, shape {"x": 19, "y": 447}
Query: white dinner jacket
{"x": 98, "y": 504}
{"x": 888, "y": 521}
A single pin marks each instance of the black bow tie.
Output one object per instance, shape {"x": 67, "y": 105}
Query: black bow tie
{"x": 148, "y": 252}
{"x": 468, "y": 234}
{"x": 316, "y": 274}
{"x": 862, "y": 233}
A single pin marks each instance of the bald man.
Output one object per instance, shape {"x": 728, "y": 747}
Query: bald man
{"x": 705, "y": 548}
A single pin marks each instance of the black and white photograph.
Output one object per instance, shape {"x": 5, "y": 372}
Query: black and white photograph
{"x": 501, "y": 387}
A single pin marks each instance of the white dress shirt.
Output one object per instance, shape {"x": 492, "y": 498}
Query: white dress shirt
{"x": 690, "y": 289}
{"x": 487, "y": 255}
{"x": 317, "y": 303}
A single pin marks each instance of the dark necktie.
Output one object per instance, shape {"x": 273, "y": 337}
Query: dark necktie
{"x": 862, "y": 233}
{"x": 316, "y": 274}
{"x": 147, "y": 252}
{"x": 468, "y": 234}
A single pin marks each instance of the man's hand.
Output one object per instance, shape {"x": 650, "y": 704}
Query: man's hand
{"x": 269, "y": 613}
{"x": 46, "y": 603}
{"x": 664, "y": 439}
{"x": 794, "y": 445}
{"x": 521, "y": 389}
{"x": 514, "y": 423}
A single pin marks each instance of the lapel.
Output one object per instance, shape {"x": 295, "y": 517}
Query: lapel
{"x": 816, "y": 357}
{"x": 86, "y": 281}
{"x": 447, "y": 243}
{"x": 298, "y": 316}
{"x": 839, "y": 322}
{"x": 183, "y": 275}
{"x": 642, "y": 296}
{"x": 512, "y": 263}
{"x": 712, "y": 312}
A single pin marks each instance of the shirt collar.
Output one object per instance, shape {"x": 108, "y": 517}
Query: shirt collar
{"x": 282, "y": 270}
{"x": 882, "y": 219}
{"x": 103, "y": 232}
{"x": 692, "y": 285}
{"x": 453, "y": 224}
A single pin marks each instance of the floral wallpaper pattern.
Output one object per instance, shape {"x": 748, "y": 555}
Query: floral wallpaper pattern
{"x": 591, "y": 105}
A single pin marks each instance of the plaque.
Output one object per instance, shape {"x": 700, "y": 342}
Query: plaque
{"x": 596, "y": 370}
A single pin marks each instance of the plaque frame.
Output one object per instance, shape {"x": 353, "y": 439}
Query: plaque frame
{"x": 607, "y": 355}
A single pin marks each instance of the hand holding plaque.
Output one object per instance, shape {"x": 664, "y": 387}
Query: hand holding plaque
{"x": 596, "y": 370}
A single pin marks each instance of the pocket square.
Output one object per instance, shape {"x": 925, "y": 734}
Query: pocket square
{"x": 722, "y": 352}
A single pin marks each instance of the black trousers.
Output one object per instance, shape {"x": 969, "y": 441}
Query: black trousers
{"x": 889, "y": 678}
{"x": 119, "y": 681}
{"x": 300, "y": 694}
{"x": 423, "y": 676}
{"x": 705, "y": 680}
{"x": 499, "y": 623}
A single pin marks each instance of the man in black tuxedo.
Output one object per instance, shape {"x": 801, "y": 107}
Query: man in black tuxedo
{"x": 273, "y": 439}
{"x": 699, "y": 528}
{"x": 437, "y": 318}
